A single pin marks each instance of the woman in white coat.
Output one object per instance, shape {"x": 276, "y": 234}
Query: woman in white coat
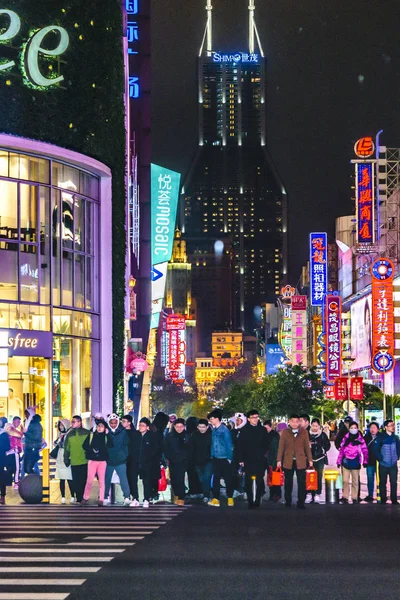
{"x": 63, "y": 473}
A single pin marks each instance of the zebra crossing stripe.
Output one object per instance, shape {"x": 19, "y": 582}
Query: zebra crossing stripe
{"x": 33, "y": 596}
{"x": 25, "y": 569}
{"x": 54, "y": 559}
{"x": 42, "y": 581}
{"x": 57, "y": 550}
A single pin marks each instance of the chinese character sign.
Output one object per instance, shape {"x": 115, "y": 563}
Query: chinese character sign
{"x": 299, "y": 330}
{"x": 285, "y": 332}
{"x": 318, "y": 268}
{"x": 356, "y": 388}
{"x": 329, "y": 392}
{"x": 333, "y": 329}
{"x": 176, "y": 322}
{"x": 382, "y": 316}
{"x": 341, "y": 388}
{"x": 365, "y": 190}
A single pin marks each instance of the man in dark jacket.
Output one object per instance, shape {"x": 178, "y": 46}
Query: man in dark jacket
{"x": 199, "y": 453}
{"x": 320, "y": 445}
{"x": 275, "y": 492}
{"x": 252, "y": 447}
{"x": 118, "y": 455}
{"x": 158, "y": 427}
{"x": 175, "y": 450}
{"x": 387, "y": 450}
{"x": 143, "y": 458}
{"x": 33, "y": 439}
{"x": 370, "y": 438}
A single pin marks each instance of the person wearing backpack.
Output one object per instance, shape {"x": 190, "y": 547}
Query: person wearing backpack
{"x": 387, "y": 450}
{"x": 352, "y": 454}
{"x": 96, "y": 448}
{"x": 320, "y": 445}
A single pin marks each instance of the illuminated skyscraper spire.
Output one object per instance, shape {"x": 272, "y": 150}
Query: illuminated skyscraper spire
{"x": 207, "y": 37}
{"x": 253, "y": 32}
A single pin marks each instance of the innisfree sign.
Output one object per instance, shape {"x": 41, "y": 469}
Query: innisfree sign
{"x": 32, "y": 50}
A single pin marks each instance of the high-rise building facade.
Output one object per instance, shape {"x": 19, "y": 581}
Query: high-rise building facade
{"x": 232, "y": 189}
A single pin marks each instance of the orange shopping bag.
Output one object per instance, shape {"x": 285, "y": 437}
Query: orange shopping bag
{"x": 275, "y": 478}
{"x": 311, "y": 480}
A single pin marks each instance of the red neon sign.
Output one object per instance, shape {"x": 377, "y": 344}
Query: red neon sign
{"x": 382, "y": 316}
{"x": 365, "y": 202}
{"x": 333, "y": 328}
{"x": 176, "y": 322}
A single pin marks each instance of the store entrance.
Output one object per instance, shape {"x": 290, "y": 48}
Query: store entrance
{"x": 29, "y": 385}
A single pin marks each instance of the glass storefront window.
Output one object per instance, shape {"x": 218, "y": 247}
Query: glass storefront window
{"x": 79, "y": 289}
{"x": 71, "y": 322}
{"x": 44, "y": 238}
{"x": 9, "y": 274}
{"x": 24, "y": 316}
{"x": 8, "y": 212}
{"x": 28, "y": 208}
{"x": 3, "y": 163}
{"x": 29, "y": 275}
{"x": 67, "y": 220}
{"x": 65, "y": 177}
{"x": 67, "y": 278}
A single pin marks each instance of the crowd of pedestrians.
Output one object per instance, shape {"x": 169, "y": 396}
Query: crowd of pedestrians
{"x": 200, "y": 454}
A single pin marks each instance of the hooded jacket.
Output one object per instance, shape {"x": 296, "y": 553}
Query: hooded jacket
{"x": 34, "y": 434}
{"x": 176, "y": 445}
{"x": 118, "y": 454}
{"x": 221, "y": 443}
{"x": 74, "y": 453}
{"x": 60, "y": 441}
{"x": 387, "y": 449}
{"x": 199, "y": 448}
{"x": 252, "y": 446}
{"x": 96, "y": 446}
{"x": 351, "y": 451}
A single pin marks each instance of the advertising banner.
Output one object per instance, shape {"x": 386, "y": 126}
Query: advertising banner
{"x": 56, "y": 389}
{"x": 23, "y": 342}
{"x": 382, "y": 272}
{"x": 333, "y": 329}
{"x": 341, "y": 388}
{"x": 329, "y": 392}
{"x": 275, "y": 358}
{"x": 361, "y": 332}
{"x": 365, "y": 202}
{"x": 299, "y": 330}
{"x": 356, "y": 388}
{"x": 318, "y": 268}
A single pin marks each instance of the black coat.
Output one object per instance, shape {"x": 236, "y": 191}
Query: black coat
{"x": 199, "y": 448}
{"x": 5, "y": 474}
{"x": 96, "y": 446}
{"x": 273, "y": 445}
{"x": 252, "y": 446}
{"x": 369, "y": 440}
{"x": 176, "y": 446}
{"x": 144, "y": 452}
{"x": 320, "y": 445}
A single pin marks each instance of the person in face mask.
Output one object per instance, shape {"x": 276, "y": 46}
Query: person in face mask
{"x": 294, "y": 453}
{"x": 352, "y": 454}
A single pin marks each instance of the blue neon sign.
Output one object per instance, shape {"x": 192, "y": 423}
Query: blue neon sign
{"x": 318, "y": 268}
{"x": 236, "y": 58}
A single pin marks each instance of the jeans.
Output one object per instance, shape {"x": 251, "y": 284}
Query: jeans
{"x": 31, "y": 457}
{"x": 371, "y": 474}
{"x": 301, "y": 484}
{"x": 79, "y": 477}
{"x": 123, "y": 479}
{"x": 205, "y": 472}
{"x": 95, "y": 467}
{"x": 222, "y": 469}
{"x": 384, "y": 472}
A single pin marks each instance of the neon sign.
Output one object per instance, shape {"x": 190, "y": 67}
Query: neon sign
{"x": 299, "y": 330}
{"x": 318, "y": 268}
{"x": 364, "y": 148}
{"x": 333, "y": 328}
{"x": 382, "y": 316}
{"x": 32, "y": 50}
{"x": 365, "y": 202}
{"x": 238, "y": 57}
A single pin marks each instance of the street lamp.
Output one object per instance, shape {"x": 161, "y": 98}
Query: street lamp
{"x": 348, "y": 362}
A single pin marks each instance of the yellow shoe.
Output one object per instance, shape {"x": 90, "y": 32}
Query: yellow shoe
{"x": 181, "y": 503}
{"x": 213, "y": 502}
{"x": 231, "y": 502}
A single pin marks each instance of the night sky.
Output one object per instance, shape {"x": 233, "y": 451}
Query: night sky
{"x": 333, "y": 76}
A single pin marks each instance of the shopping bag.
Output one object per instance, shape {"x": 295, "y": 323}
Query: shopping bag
{"x": 311, "y": 480}
{"x": 277, "y": 478}
{"x": 339, "y": 482}
{"x": 162, "y": 482}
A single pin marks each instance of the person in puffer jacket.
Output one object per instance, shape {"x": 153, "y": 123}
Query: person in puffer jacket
{"x": 117, "y": 458}
{"x": 352, "y": 454}
{"x": 33, "y": 439}
{"x": 387, "y": 450}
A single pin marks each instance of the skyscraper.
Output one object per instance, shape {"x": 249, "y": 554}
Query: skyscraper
{"x": 232, "y": 189}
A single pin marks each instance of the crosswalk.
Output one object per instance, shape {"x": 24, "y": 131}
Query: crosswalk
{"x": 47, "y": 551}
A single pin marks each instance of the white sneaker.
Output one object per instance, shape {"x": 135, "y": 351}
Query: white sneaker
{"x": 106, "y": 501}
{"x": 63, "y": 501}
{"x": 72, "y": 501}
{"x": 309, "y": 499}
{"x": 317, "y": 499}
{"x": 127, "y": 502}
{"x": 236, "y": 494}
{"x": 134, "y": 503}
{"x": 145, "y": 504}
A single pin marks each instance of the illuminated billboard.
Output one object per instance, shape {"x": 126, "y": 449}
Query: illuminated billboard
{"x": 382, "y": 272}
{"x": 318, "y": 268}
{"x": 333, "y": 329}
{"x": 361, "y": 333}
{"x": 275, "y": 358}
{"x": 365, "y": 202}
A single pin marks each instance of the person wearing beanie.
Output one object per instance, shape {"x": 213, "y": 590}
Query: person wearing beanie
{"x": 158, "y": 427}
{"x": 199, "y": 454}
{"x": 221, "y": 455}
{"x": 117, "y": 458}
{"x": 96, "y": 446}
{"x": 251, "y": 449}
{"x": 143, "y": 462}
{"x": 175, "y": 451}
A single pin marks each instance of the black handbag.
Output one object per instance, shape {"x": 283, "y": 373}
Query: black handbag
{"x": 54, "y": 452}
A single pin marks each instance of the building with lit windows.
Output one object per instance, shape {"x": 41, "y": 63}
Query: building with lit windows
{"x": 232, "y": 189}
{"x": 62, "y": 209}
{"x": 208, "y": 375}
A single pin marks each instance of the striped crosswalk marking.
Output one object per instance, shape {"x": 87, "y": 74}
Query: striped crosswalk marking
{"x": 78, "y": 539}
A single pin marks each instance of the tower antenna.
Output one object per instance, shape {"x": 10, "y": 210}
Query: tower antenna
{"x": 207, "y": 37}
{"x": 251, "y": 25}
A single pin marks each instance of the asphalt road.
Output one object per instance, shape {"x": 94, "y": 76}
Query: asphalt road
{"x": 329, "y": 552}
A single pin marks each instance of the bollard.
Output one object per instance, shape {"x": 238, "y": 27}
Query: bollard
{"x": 46, "y": 475}
{"x": 331, "y": 493}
